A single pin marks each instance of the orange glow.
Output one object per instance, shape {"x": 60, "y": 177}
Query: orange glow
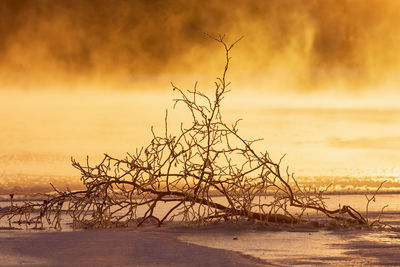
{"x": 318, "y": 79}
{"x": 289, "y": 45}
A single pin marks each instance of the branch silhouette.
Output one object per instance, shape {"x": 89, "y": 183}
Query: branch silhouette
{"x": 180, "y": 176}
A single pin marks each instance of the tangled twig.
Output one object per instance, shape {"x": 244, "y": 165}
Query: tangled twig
{"x": 186, "y": 172}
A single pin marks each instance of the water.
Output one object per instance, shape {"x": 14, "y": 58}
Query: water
{"x": 41, "y": 131}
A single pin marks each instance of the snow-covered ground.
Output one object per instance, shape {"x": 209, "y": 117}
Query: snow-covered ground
{"x": 214, "y": 245}
{"x": 122, "y": 247}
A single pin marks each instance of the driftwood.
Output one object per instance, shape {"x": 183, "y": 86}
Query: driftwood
{"x": 206, "y": 172}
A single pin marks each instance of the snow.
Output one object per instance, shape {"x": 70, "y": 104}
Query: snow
{"x": 121, "y": 247}
{"x": 213, "y": 245}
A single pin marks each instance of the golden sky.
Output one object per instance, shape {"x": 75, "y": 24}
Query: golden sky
{"x": 300, "y": 45}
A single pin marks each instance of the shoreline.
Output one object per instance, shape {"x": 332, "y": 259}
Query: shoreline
{"x": 18, "y": 198}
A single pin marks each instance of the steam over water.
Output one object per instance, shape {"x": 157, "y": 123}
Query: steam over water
{"x": 354, "y": 148}
{"x": 318, "y": 80}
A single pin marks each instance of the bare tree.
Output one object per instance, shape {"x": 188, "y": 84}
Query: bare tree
{"x": 206, "y": 172}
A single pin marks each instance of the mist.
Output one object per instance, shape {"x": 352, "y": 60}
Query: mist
{"x": 316, "y": 78}
{"x": 298, "y": 45}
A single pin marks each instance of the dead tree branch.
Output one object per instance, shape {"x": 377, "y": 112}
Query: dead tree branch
{"x": 206, "y": 172}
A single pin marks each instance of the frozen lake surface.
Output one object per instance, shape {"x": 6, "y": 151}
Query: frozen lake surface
{"x": 222, "y": 244}
{"x": 214, "y": 245}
